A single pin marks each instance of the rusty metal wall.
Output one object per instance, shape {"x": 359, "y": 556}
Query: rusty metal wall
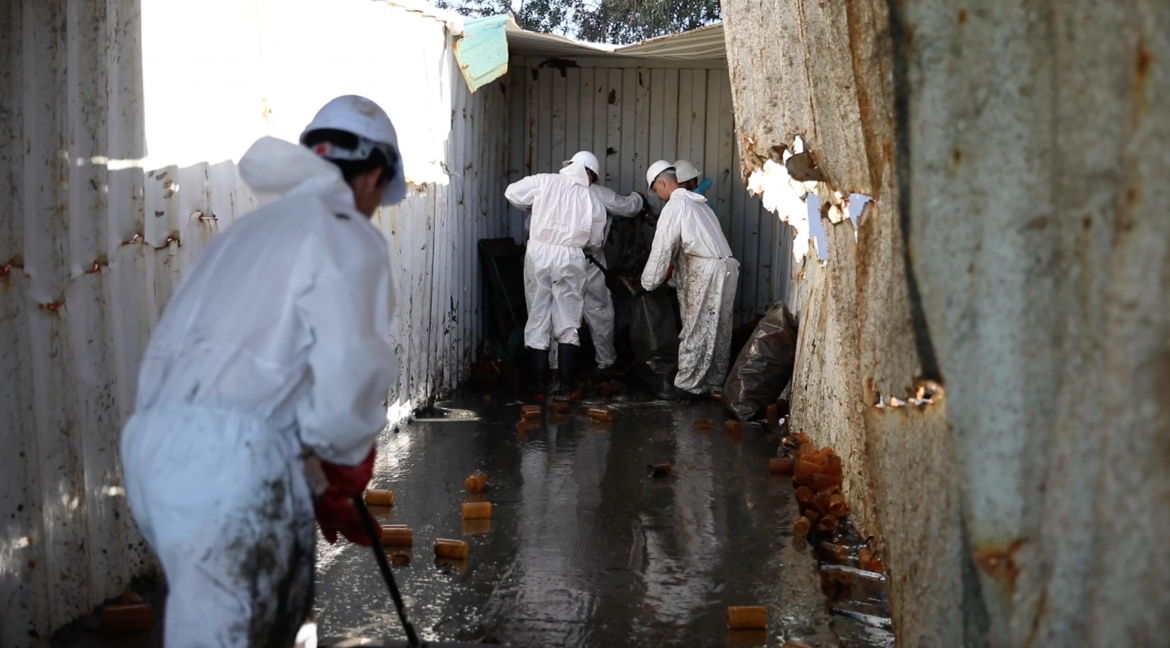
{"x": 92, "y": 247}
{"x": 1014, "y": 264}
{"x": 72, "y": 286}
{"x": 632, "y": 114}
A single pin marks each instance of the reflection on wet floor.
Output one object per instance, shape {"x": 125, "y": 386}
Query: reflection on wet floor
{"x": 585, "y": 548}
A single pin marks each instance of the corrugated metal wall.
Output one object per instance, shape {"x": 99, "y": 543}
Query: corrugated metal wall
{"x": 92, "y": 247}
{"x": 632, "y": 116}
{"x": 77, "y": 278}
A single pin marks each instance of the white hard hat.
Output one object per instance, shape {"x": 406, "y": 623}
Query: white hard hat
{"x": 367, "y": 120}
{"x": 656, "y": 170}
{"x": 685, "y": 170}
{"x": 586, "y": 158}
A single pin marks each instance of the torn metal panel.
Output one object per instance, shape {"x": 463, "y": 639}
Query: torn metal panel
{"x": 482, "y": 51}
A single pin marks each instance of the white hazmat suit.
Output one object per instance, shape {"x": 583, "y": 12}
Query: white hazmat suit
{"x": 598, "y": 302}
{"x": 276, "y": 343}
{"x": 566, "y": 218}
{"x": 706, "y": 277}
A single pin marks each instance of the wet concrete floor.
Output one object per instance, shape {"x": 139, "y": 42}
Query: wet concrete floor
{"x": 585, "y": 548}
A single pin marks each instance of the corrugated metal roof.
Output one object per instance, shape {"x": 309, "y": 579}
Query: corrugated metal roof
{"x": 453, "y": 20}
{"x": 704, "y": 43}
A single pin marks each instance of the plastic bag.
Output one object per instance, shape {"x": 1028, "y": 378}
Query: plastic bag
{"x": 764, "y": 366}
{"x": 654, "y": 329}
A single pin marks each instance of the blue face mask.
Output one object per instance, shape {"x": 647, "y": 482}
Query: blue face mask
{"x": 703, "y": 186}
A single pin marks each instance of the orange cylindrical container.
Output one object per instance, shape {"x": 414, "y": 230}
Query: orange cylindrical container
{"x": 600, "y": 413}
{"x": 733, "y": 426}
{"x": 522, "y": 426}
{"x": 477, "y": 510}
{"x": 456, "y": 549}
{"x": 380, "y": 497}
{"x": 821, "y": 458}
{"x": 821, "y": 503}
{"x": 802, "y": 526}
{"x": 397, "y": 535}
{"x": 827, "y": 523}
{"x": 812, "y": 515}
{"x": 820, "y": 482}
{"x": 804, "y": 495}
{"x": 805, "y": 469}
{"x": 806, "y": 450}
{"x": 476, "y": 482}
{"x": 530, "y": 411}
{"x": 781, "y": 465}
{"x": 837, "y": 505}
{"x": 704, "y": 424}
{"x": 576, "y": 397}
{"x": 746, "y": 637}
{"x": 124, "y": 618}
{"x": 476, "y": 527}
{"x": 773, "y": 413}
{"x": 747, "y": 617}
{"x": 835, "y": 551}
{"x": 658, "y": 470}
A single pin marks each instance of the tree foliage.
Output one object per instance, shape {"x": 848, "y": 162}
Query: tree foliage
{"x": 600, "y": 21}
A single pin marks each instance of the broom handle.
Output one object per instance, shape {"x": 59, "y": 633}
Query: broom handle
{"x": 384, "y": 565}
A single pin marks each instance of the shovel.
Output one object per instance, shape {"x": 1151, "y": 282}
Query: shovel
{"x": 412, "y": 640}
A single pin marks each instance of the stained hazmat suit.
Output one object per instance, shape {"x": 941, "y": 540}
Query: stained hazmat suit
{"x": 276, "y": 347}
{"x": 597, "y": 311}
{"x": 706, "y": 277}
{"x": 566, "y": 218}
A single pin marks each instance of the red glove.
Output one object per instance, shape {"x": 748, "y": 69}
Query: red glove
{"x": 349, "y": 481}
{"x": 669, "y": 273}
{"x": 337, "y": 514}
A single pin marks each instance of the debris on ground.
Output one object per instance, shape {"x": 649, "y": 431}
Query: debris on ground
{"x": 704, "y": 424}
{"x": 397, "y": 535}
{"x": 380, "y": 497}
{"x": 477, "y": 510}
{"x": 456, "y": 549}
{"x": 127, "y": 617}
{"x": 476, "y": 482}
{"x": 764, "y": 367}
{"x": 658, "y": 470}
{"x": 600, "y": 413}
{"x": 748, "y": 617}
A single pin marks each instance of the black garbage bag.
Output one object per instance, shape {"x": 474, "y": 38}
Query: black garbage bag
{"x": 764, "y": 365}
{"x": 654, "y": 328}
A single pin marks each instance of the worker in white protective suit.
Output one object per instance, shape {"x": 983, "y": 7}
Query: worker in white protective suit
{"x": 263, "y": 387}
{"x": 688, "y": 177}
{"x": 566, "y": 218}
{"x": 598, "y": 305}
{"x": 707, "y": 277}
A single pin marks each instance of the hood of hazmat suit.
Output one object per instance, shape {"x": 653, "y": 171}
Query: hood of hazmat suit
{"x": 277, "y": 341}
{"x": 707, "y": 279}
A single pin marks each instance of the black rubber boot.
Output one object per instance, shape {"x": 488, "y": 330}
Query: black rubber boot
{"x": 540, "y": 370}
{"x": 567, "y": 366}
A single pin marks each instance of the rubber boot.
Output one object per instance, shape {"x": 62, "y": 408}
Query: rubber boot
{"x": 540, "y": 370}
{"x": 567, "y": 365}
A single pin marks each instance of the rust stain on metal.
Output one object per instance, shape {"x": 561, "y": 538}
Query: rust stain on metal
{"x": 1000, "y": 563}
{"x": 962, "y": 15}
{"x": 613, "y": 97}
